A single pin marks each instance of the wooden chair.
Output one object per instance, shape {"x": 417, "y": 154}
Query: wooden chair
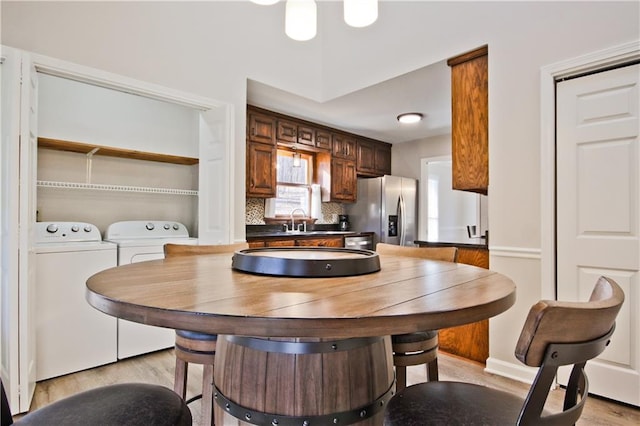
{"x": 419, "y": 347}
{"x": 554, "y": 334}
{"x": 195, "y": 347}
{"x": 130, "y": 404}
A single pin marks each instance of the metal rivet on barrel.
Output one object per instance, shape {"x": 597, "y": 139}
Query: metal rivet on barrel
{"x": 328, "y": 267}
{"x": 334, "y": 346}
{"x": 274, "y": 422}
{"x": 335, "y": 420}
{"x": 554, "y": 355}
{"x": 305, "y": 423}
{"x": 363, "y": 413}
{"x": 227, "y": 406}
{"x": 215, "y": 395}
{"x": 247, "y": 416}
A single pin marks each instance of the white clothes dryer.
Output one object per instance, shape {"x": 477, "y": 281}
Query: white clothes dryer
{"x": 71, "y": 335}
{"x": 139, "y": 241}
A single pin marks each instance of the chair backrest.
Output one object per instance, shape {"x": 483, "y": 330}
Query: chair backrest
{"x": 172, "y": 250}
{"x": 551, "y": 321}
{"x": 447, "y": 254}
{"x": 563, "y": 333}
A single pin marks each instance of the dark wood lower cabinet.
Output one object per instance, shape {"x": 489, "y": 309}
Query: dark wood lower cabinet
{"x": 469, "y": 341}
{"x": 336, "y": 241}
{"x": 472, "y": 340}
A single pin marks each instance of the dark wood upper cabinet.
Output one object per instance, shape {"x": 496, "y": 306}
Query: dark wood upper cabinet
{"x": 261, "y": 128}
{"x": 343, "y": 147}
{"x": 261, "y": 170}
{"x": 323, "y": 140}
{"x": 373, "y": 158}
{"x": 306, "y": 135}
{"x": 470, "y": 121}
{"x": 287, "y": 131}
{"x": 337, "y": 177}
{"x": 340, "y": 157}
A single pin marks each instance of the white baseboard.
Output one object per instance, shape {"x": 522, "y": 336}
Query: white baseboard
{"x": 518, "y": 372}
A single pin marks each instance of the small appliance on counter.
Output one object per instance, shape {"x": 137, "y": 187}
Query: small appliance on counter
{"x": 343, "y": 219}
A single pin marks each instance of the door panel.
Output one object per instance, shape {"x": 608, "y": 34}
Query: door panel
{"x": 598, "y": 221}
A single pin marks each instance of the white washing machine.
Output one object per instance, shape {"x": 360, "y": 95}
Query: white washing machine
{"x": 71, "y": 335}
{"x": 137, "y": 241}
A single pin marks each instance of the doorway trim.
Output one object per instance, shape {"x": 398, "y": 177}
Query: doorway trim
{"x": 548, "y": 74}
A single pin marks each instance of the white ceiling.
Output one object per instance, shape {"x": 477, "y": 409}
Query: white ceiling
{"x": 372, "y": 111}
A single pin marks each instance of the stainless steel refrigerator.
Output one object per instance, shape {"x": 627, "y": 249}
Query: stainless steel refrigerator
{"x": 388, "y": 207}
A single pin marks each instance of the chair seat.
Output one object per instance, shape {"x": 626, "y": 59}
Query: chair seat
{"x": 417, "y": 336}
{"x": 452, "y": 403}
{"x": 130, "y": 404}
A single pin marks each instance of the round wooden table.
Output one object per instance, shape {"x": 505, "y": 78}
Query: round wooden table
{"x": 292, "y": 350}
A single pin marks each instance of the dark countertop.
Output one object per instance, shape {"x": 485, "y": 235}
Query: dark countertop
{"x": 475, "y": 243}
{"x": 275, "y": 231}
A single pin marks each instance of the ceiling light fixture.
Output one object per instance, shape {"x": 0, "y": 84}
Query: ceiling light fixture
{"x": 300, "y": 18}
{"x": 296, "y": 159}
{"x": 410, "y": 117}
{"x": 360, "y": 13}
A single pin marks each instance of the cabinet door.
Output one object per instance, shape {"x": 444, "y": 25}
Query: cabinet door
{"x": 261, "y": 170}
{"x": 287, "y": 131}
{"x": 343, "y": 147}
{"x": 366, "y": 158}
{"x": 374, "y": 158}
{"x": 261, "y": 128}
{"x": 323, "y": 140}
{"x": 343, "y": 180}
{"x": 321, "y": 242}
{"x": 280, "y": 243}
{"x": 383, "y": 159}
{"x": 469, "y": 127}
{"x": 470, "y": 341}
{"x": 306, "y": 135}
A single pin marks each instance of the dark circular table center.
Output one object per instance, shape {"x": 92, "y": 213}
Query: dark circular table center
{"x": 310, "y": 262}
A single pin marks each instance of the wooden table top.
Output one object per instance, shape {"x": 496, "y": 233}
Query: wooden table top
{"x": 203, "y": 293}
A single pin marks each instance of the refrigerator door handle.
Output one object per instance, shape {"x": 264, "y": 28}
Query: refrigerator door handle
{"x": 401, "y": 225}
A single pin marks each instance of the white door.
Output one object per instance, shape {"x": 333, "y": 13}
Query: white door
{"x": 598, "y": 212}
{"x": 215, "y": 222}
{"x": 19, "y": 107}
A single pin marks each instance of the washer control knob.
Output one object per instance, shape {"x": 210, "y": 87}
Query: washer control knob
{"x": 75, "y": 228}
{"x": 167, "y": 226}
{"x": 52, "y": 228}
{"x": 176, "y": 226}
{"x": 87, "y": 228}
{"x": 150, "y": 226}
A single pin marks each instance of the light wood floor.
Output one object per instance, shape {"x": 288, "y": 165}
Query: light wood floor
{"x": 158, "y": 368}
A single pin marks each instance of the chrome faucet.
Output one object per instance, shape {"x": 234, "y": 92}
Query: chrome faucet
{"x": 293, "y": 223}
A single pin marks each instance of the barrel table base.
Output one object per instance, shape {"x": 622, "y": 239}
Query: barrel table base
{"x": 302, "y": 381}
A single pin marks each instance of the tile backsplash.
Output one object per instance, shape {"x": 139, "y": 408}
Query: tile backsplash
{"x": 255, "y": 212}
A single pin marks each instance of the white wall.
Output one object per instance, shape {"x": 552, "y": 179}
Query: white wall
{"x": 211, "y": 48}
{"x": 405, "y": 157}
{"x": 79, "y": 112}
